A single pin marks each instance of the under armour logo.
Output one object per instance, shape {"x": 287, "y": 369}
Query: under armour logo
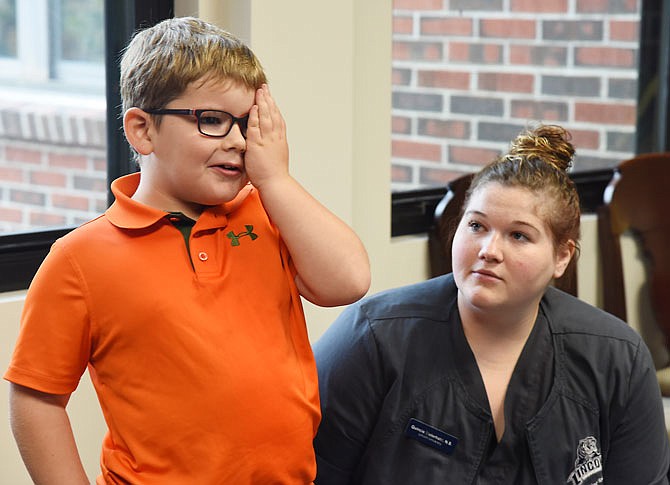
{"x": 235, "y": 238}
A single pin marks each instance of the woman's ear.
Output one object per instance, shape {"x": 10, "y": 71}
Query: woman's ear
{"x": 137, "y": 126}
{"x": 564, "y": 255}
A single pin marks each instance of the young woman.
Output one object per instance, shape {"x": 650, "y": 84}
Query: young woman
{"x": 490, "y": 375}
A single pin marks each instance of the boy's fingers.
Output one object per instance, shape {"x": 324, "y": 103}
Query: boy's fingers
{"x": 253, "y": 117}
{"x": 266, "y": 117}
{"x": 253, "y": 127}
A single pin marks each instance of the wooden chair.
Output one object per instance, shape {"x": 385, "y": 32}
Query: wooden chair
{"x": 635, "y": 202}
{"x": 446, "y": 218}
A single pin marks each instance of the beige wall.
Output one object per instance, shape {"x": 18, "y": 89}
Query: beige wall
{"x": 332, "y": 81}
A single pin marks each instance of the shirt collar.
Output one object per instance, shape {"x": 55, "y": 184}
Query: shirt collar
{"x": 127, "y": 213}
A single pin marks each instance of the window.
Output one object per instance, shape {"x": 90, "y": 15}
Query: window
{"x": 468, "y": 76}
{"x": 52, "y": 114}
{"x": 60, "y": 136}
{"x": 79, "y": 40}
{"x": 53, "y": 43}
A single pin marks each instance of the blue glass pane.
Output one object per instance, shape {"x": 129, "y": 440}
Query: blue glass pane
{"x": 7, "y": 28}
{"x": 82, "y": 30}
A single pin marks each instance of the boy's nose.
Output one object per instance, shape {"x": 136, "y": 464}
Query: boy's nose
{"x": 234, "y": 139}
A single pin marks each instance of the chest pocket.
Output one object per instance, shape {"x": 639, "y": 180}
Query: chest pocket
{"x": 564, "y": 442}
{"x": 398, "y": 454}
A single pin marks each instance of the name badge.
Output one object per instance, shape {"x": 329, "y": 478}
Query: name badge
{"x": 431, "y": 436}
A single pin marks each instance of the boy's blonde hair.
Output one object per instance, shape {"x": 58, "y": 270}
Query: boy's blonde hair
{"x": 161, "y": 61}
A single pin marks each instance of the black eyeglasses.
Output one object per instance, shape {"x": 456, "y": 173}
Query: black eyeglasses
{"x": 211, "y": 122}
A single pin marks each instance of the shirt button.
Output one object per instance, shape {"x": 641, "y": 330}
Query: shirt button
{"x": 202, "y": 256}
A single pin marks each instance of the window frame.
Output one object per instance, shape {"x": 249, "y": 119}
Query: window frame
{"x": 413, "y": 211}
{"x": 35, "y": 60}
{"x": 32, "y": 57}
{"x": 21, "y": 253}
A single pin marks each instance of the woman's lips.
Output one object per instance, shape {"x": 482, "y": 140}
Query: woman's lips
{"x": 484, "y": 273}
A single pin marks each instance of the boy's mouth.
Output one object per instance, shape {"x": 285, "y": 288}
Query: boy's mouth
{"x": 227, "y": 168}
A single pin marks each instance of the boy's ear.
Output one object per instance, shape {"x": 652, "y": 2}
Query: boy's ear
{"x": 136, "y": 125}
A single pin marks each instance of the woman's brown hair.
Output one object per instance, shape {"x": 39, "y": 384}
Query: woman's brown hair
{"x": 539, "y": 159}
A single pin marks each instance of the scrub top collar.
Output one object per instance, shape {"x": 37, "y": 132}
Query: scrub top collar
{"x": 529, "y": 387}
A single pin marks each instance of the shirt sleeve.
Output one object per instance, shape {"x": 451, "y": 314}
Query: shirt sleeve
{"x": 53, "y": 346}
{"x": 639, "y": 450}
{"x": 351, "y": 386}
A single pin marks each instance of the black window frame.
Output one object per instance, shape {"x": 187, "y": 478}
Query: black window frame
{"x": 411, "y": 211}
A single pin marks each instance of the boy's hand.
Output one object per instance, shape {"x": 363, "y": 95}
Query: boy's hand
{"x": 266, "y": 156}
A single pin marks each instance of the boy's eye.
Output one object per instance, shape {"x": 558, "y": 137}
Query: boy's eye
{"x": 211, "y": 119}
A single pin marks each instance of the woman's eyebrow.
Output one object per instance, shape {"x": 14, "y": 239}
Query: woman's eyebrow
{"x": 516, "y": 222}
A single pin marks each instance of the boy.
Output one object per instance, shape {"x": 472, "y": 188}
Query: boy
{"x": 183, "y": 298}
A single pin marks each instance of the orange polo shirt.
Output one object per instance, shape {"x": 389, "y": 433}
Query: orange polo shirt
{"x": 202, "y": 364}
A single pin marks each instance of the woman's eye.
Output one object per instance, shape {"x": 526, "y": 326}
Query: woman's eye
{"x": 519, "y": 236}
{"x": 474, "y": 226}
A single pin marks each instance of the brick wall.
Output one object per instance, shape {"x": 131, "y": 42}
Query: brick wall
{"x": 468, "y": 75}
{"x": 53, "y": 168}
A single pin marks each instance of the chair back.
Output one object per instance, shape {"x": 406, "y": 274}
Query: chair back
{"x": 635, "y": 201}
{"x": 445, "y": 219}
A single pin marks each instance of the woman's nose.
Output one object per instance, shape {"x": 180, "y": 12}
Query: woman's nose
{"x": 491, "y": 249}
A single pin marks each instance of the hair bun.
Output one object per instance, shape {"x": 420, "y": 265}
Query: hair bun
{"x": 549, "y": 143}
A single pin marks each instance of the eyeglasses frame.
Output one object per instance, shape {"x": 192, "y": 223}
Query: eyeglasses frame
{"x": 240, "y": 122}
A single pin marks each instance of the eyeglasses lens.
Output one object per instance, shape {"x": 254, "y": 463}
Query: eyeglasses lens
{"x": 215, "y": 123}
{"x": 219, "y": 123}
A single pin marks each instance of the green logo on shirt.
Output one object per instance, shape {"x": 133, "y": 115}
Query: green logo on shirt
{"x": 235, "y": 238}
